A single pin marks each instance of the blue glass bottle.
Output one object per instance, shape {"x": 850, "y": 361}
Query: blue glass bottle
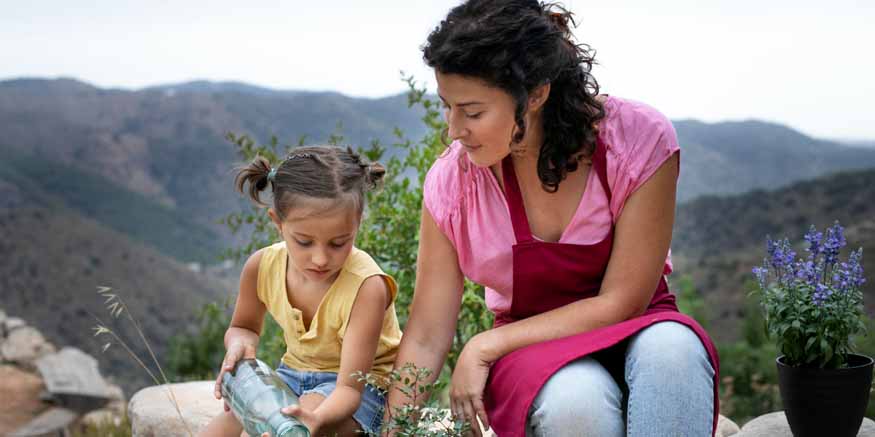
{"x": 256, "y": 395}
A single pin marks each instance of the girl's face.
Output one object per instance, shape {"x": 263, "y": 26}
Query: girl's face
{"x": 479, "y": 116}
{"x": 319, "y": 235}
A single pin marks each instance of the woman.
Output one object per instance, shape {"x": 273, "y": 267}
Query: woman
{"x": 560, "y": 201}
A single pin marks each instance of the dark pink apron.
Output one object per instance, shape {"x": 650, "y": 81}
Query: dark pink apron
{"x": 547, "y": 276}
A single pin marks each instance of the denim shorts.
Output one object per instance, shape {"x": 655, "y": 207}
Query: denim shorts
{"x": 370, "y": 412}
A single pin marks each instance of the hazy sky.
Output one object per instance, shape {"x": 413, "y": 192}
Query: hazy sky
{"x": 806, "y": 63}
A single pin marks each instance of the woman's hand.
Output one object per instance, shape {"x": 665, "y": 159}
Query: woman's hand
{"x": 237, "y": 350}
{"x": 309, "y": 418}
{"x": 469, "y": 383}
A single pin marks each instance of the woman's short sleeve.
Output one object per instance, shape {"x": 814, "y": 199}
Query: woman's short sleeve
{"x": 643, "y": 140}
{"x": 442, "y": 190}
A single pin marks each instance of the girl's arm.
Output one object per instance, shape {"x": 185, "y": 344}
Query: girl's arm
{"x": 357, "y": 354}
{"x": 434, "y": 311}
{"x": 241, "y": 338}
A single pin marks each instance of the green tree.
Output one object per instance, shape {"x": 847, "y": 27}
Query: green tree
{"x": 690, "y": 302}
{"x": 749, "y": 376}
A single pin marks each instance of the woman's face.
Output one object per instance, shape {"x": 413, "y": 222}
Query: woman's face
{"x": 479, "y": 116}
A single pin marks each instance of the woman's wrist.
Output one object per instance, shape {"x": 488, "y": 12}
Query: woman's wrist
{"x": 488, "y": 346}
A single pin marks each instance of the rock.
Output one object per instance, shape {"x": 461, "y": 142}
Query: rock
{"x": 20, "y": 401}
{"x": 775, "y": 425}
{"x": 24, "y": 346}
{"x": 152, "y": 413}
{"x": 13, "y": 323}
{"x": 71, "y": 371}
{"x": 725, "y": 427}
{"x": 98, "y": 418}
{"x": 117, "y": 401}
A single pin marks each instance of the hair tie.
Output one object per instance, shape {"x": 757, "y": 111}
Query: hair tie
{"x": 271, "y": 175}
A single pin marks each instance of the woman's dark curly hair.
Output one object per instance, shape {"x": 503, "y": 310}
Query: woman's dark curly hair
{"x": 518, "y": 45}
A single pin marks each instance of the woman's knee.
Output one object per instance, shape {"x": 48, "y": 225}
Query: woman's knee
{"x": 581, "y": 395}
{"x": 668, "y": 347}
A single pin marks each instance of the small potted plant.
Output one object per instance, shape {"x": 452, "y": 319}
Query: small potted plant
{"x": 813, "y": 305}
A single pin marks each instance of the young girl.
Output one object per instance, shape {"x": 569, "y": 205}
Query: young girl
{"x": 333, "y": 302}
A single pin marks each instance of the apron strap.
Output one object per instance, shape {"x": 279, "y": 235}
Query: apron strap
{"x": 521, "y": 229}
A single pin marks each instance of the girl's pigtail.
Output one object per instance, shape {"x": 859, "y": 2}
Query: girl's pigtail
{"x": 374, "y": 173}
{"x": 257, "y": 175}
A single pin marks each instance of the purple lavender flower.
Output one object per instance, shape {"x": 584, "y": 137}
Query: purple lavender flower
{"x": 806, "y": 271}
{"x": 782, "y": 259}
{"x": 821, "y": 294}
{"x": 855, "y": 269}
{"x": 761, "y": 274}
{"x": 814, "y": 239}
{"x": 835, "y": 240}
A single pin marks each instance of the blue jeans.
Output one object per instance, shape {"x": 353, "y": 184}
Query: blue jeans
{"x": 658, "y": 383}
{"x": 369, "y": 414}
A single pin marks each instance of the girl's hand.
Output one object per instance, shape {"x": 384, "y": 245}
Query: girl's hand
{"x": 310, "y": 419}
{"x": 469, "y": 382}
{"x": 237, "y": 351}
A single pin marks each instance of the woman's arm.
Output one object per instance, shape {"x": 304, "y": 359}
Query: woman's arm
{"x": 357, "y": 355}
{"x": 434, "y": 311}
{"x": 642, "y": 237}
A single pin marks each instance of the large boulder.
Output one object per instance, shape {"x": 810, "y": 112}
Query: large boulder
{"x": 20, "y": 400}
{"x": 725, "y": 427}
{"x": 24, "y": 345}
{"x": 775, "y": 425}
{"x": 153, "y": 414}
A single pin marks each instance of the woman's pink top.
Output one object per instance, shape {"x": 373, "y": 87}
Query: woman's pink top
{"x": 469, "y": 207}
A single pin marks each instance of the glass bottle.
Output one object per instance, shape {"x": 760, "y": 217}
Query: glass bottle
{"x": 256, "y": 395}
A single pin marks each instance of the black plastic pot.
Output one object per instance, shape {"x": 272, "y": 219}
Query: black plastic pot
{"x": 826, "y": 402}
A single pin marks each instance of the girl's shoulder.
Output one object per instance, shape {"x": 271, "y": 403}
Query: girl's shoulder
{"x": 361, "y": 263}
{"x": 360, "y": 266}
{"x": 270, "y": 256}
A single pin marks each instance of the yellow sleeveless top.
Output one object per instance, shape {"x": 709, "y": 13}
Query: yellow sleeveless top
{"x": 318, "y": 349}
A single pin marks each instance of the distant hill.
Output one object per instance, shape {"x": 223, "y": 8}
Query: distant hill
{"x": 735, "y": 157}
{"x": 860, "y": 143}
{"x": 204, "y": 86}
{"x": 54, "y": 259}
{"x": 53, "y": 185}
{"x": 167, "y": 142}
{"x": 717, "y": 241}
